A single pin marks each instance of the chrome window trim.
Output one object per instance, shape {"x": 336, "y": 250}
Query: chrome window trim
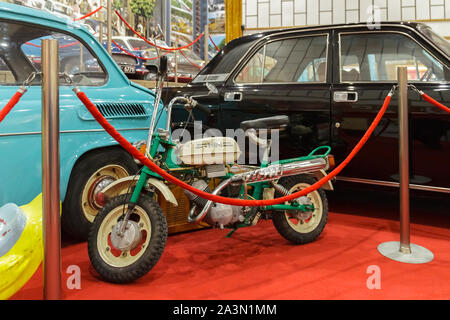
{"x": 328, "y": 28}
{"x": 394, "y": 184}
{"x": 386, "y": 81}
{"x": 65, "y": 131}
{"x": 263, "y": 64}
{"x": 327, "y": 34}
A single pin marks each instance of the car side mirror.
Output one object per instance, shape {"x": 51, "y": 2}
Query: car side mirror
{"x": 152, "y": 68}
{"x": 162, "y": 69}
{"x": 212, "y": 88}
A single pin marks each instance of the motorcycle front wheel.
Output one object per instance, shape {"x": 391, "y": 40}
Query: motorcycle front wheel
{"x": 127, "y": 257}
{"x": 294, "y": 225}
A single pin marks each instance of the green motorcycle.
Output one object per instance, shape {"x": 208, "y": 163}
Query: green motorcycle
{"x": 129, "y": 233}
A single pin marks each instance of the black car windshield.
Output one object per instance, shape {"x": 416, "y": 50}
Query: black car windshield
{"x": 441, "y": 42}
{"x": 223, "y": 63}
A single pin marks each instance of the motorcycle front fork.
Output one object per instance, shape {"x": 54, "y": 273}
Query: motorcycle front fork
{"x": 133, "y": 201}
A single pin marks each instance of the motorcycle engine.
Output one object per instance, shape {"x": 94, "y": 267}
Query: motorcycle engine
{"x": 219, "y": 214}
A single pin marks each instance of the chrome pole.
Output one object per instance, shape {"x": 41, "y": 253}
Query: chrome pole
{"x": 100, "y": 31}
{"x": 109, "y": 17}
{"x": 404, "y": 251}
{"x": 403, "y": 148}
{"x": 206, "y": 43}
{"x": 81, "y": 66}
{"x": 176, "y": 60}
{"x": 50, "y": 170}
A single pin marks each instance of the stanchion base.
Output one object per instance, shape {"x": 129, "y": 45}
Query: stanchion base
{"x": 418, "y": 254}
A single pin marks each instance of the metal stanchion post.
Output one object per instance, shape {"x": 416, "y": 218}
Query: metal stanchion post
{"x": 100, "y": 31}
{"x": 50, "y": 170}
{"x": 109, "y": 17}
{"x": 176, "y": 60}
{"x": 206, "y": 43}
{"x": 81, "y": 66}
{"x": 404, "y": 251}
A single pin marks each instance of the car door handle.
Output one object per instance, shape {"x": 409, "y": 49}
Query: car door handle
{"x": 233, "y": 96}
{"x": 345, "y": 96}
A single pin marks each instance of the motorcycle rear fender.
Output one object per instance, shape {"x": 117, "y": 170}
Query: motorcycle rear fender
{"x": 319, "y": 175}
{"x": 122, "y": 186}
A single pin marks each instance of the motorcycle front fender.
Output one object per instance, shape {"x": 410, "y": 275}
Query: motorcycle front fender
{"x": 122, "y": 186}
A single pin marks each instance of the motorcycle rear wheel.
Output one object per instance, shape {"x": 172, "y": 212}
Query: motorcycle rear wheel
{"x": 304, "y": 227}
{"x": 127, "y": 265}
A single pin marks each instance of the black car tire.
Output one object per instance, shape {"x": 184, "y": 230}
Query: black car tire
{"x": 92, "y": 171}
{"x": 120, "y": 267}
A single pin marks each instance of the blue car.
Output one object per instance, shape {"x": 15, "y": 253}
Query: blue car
{"x": 90, "y": 158}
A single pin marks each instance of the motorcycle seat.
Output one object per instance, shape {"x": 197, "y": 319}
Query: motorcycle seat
{"x": 270, "y": 123}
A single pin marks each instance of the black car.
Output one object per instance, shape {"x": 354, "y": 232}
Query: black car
{"x": 331, "y": 81}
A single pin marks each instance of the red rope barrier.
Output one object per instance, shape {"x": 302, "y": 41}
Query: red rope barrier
{"x": 154, "y": 44}
{"x": 32, "y": 44}
{"x": 69, "y": 44}
{"x": 434, "y": 102}
{"x": 237, "y": 202}
{"x": 89, "y": 14}
{"x": 14, "y": 100}
{"x": 194, "y": 64}
{"x": 130, "y": 54}
{"x": 217, "y": 48}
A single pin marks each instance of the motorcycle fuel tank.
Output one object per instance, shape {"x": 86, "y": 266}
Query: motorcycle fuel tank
{"x": 212, "y": 150}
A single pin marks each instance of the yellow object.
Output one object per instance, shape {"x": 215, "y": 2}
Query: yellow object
{"x": 19, "y": 264}
{"x": 233, "y": 19}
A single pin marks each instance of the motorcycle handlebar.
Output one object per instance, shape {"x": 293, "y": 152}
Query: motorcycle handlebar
{"x": 203, "y": 108}
{"x": 190, "y": 103}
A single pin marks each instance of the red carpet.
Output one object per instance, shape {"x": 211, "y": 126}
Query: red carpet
{"x": 257, "y": 263}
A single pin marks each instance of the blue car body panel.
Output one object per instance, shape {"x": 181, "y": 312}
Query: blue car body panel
{"x": 20, "y": 131}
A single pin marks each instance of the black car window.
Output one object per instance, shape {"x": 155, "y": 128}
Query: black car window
{"x": 441, "y": 42}
{"x": 299, "y": 60}
{"x": 222, "y": 64}
{"x": 22, "y": 54}
{"x": 253, "y": 70}
{"x": 376, "y": 56}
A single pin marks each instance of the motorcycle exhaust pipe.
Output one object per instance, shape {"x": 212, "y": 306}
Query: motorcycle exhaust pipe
{"x": 277, "y": 171}
{"x": 272, "y": 172}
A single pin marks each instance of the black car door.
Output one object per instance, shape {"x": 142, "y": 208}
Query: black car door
{"x": 284, "y": 74}
{"x": 367, "y": 70}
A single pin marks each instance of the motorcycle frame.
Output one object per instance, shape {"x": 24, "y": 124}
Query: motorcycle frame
{"x": 163, "y": 139}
